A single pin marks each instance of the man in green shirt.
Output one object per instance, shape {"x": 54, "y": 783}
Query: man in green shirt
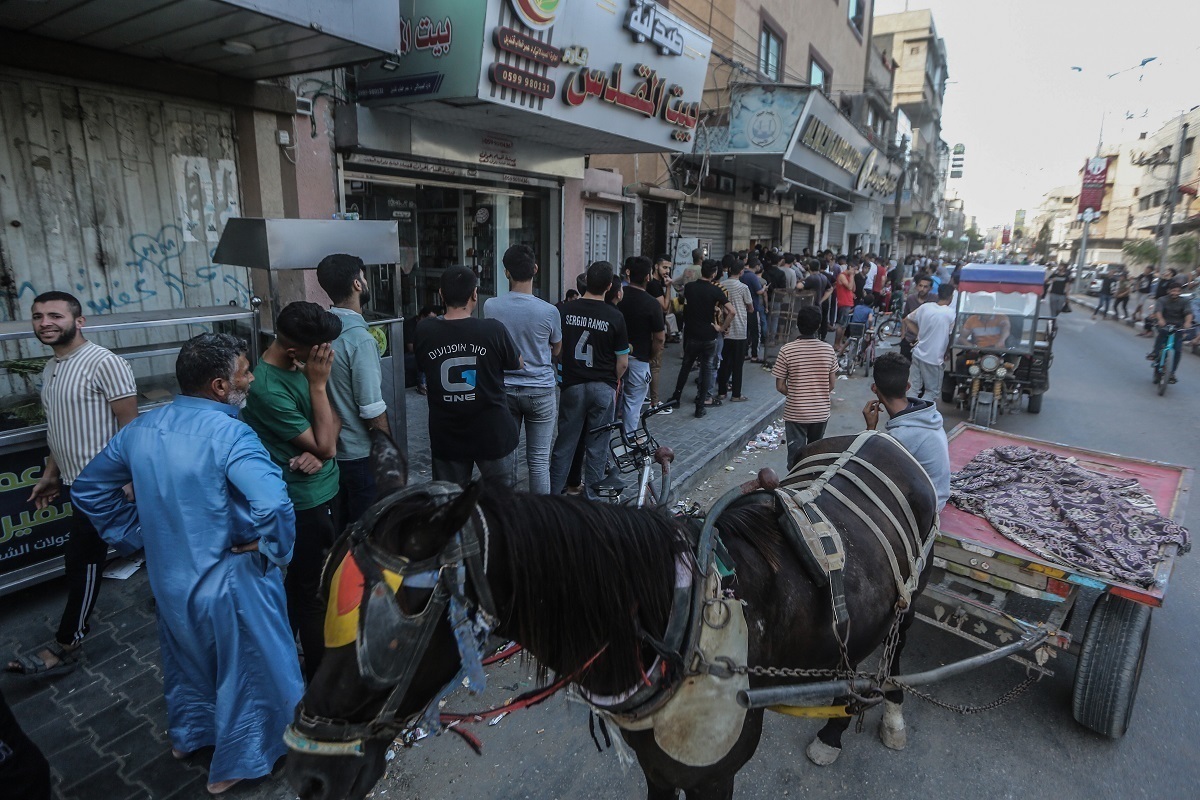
{"x": 289, "y": 409}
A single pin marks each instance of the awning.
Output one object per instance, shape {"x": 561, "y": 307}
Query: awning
{"x": 1002, "y": 278}
{"x": 247, "y": 39}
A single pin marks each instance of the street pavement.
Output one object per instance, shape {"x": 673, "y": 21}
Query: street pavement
{"x": 103, "y": 726}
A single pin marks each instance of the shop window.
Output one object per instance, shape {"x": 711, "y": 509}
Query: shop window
{"x": 1189, "y": 144}
{"x": 770, "y": 54}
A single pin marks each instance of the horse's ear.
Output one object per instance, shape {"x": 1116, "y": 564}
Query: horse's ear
{"x": 388, "y": 463}
{"x": 454, "y": 515}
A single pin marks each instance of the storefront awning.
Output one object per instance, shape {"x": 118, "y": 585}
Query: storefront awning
{"x": 584, "y": 77}
{"x": 248, "y": 39}
{"x": 798, "y": 136}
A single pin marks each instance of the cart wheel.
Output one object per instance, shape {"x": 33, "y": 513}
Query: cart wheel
{"x": 1035, "y": 404}
{"x": 1110, "y": 665}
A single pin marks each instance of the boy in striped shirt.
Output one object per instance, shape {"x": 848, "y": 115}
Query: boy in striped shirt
{"x": 805, "y": 371}
{"x": 88, "y": 393}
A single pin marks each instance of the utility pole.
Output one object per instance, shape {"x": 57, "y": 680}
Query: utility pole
{"x": 1088, "y": 216}
{"x": 1172, "y": 196}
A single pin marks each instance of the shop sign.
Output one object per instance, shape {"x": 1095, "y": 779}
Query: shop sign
{"x": 762, "y": 119}
{"x": 822, "y": 139}
{"x": 648, "y": 21}
{"x": 878, "y": 176}
{"x": 601, "y": 81}
{"x": 437, "y": 53}
{"x": 28, "y": 535}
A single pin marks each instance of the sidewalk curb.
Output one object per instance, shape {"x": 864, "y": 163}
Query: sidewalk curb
{"x": 724, "y": 449}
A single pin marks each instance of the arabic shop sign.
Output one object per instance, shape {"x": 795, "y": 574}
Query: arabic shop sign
{"x": 878, "y": 176}
{"x": 648, "y": 21}
{"x": 645, "y": 86}
{"x": 437, "y": 54}
{"x": 822, "y": 139}
{"x": 28, "y": 535}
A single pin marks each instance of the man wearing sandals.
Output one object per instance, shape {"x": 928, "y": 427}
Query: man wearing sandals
{"x": 88, "y": 393}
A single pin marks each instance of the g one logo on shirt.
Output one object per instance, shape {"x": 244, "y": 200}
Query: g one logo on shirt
{"x": 458, "y": 377}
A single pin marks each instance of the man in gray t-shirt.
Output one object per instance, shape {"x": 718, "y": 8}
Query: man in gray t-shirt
{"x": 536, "y": 327}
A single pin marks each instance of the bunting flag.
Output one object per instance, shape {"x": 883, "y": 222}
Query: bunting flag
{"x": 345, "y": 596}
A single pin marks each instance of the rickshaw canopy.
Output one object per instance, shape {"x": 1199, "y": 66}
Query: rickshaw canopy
{"x": 1003, "y": 278}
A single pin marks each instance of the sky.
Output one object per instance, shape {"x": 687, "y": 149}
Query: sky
{"x": 1027, "y": 119}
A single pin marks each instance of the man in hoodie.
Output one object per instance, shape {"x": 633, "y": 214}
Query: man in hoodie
{"x": 355, "y": 383}
{"x": 914, "y": 423}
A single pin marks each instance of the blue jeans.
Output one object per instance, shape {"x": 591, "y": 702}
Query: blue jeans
{"x": 714, "y": 365}
{"x": 694, "y": 351}
{"x": 536, "y": 407}
{"x": 634, "y": 385}
{"x": 1102, "y": 305}
{"x": 582, "y": 407}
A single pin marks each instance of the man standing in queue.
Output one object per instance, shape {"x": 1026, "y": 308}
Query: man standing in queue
{"x": 464, "y": 359}
{"x": 595, "y": 355}
{"x": 288, "y": 407}
{"x": 214, "y": 516}
{"x": 88, "y": 394}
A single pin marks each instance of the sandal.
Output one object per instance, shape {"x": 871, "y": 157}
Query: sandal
{"x": 740, "y": 398}
{"x": 32, "y": 665}
{"x": 712, "y": 401}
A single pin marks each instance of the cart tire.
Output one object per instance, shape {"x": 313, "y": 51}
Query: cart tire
{"x": 1035, "y": 404}
{"x": 1110, "y": 665}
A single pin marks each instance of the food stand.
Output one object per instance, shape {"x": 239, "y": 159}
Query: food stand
{"x": 32, "y": 541}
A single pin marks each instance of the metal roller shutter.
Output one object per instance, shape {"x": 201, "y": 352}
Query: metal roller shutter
{"x": 837, "y": 231}
{"x": 802, "y": 237}
{"x": 709, "y": 225}
{"x": 764, "y": 230}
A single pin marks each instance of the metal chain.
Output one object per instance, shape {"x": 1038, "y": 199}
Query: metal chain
{"x": 1004, "y": 699}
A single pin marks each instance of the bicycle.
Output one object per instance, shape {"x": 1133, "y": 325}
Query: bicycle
{"x": 858, "y": 351}
{"x": 1164, "y": 365}
{"x": 637, "y": 452}
{"x": 890, "y": 328}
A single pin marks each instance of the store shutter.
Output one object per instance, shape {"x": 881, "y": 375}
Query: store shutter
{"x": 709, "y": 225}
{"x": 802, "y": 237}
{"x": 837, "y": 231}
{"x": 120, "y": 197}
{"x": 764, "y": 230}
{"x": 599, "y": 231}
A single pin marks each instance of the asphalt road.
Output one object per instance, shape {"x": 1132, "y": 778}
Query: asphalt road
{"x": 1101, "y": 397}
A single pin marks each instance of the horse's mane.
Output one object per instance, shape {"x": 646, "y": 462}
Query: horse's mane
{"x": 586, "y": 576}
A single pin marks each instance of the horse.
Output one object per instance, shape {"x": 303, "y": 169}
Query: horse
{"x": 587, "y": 590}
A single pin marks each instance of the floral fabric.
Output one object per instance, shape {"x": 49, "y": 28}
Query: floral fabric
{"x": 1101, "y": 524}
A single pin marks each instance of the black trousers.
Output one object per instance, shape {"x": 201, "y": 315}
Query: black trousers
{"x": 751, "y": 334}
{"x": 693, "y": 350}
{"x": 84, "y": 556}
{"x": 799, "y": 436}
{"x": 733, "y": 358}
{"x": 302, "y": 583}
{"x": 24, "y": 771}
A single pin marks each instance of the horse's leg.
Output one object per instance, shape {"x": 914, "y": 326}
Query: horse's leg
{"x": 721, "y": 789}
{"x": 892, "y": 731}
{"x": 656, "y": 791}
{"x": 826, "y": 746}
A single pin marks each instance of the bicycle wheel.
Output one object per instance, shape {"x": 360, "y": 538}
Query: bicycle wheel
{"x": 845, "y": 361}
{"x": 890, "y": 330}
{"x": 1164, "y": 377}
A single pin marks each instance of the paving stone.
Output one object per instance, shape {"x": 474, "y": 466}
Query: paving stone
{"x": 55, "y": 734}
{"x": 156, "y": 712}
{"x": 138, "y": 747}
{"x": 88, "y": 699}
{"x": 140, "y": 686}
{"x": 106, "y": 783}
{"x": 108, "y": 725}
{"x": 32, "y": 702}
{"x": 165, "y": 777}
{"x": 79, "y": 761}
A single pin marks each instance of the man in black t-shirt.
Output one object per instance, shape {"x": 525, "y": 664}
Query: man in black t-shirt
{"x": 1173, "y": 313}
{"x": 1143, "y": 285}
{"x": 464, "y": 359}
{"x": 595, "y": 354}
{"x": 702, "y": 301}
{"x": 646, "y": 328}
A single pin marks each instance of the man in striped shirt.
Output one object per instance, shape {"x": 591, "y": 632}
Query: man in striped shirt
{"x": 805, "y": 372}
{"x": 88, "y": 393}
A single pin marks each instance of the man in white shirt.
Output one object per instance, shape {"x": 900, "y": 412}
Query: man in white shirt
{"x": 931, "y": 324}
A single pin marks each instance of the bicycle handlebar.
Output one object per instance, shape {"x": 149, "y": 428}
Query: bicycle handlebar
{"x": 649, "y": 412}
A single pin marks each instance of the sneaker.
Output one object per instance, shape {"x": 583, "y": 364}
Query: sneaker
{"x": 667, "y": 410}
{"x": 1173, "y": 380}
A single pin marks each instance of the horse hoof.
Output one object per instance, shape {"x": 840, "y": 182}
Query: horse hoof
{"x": 892, "y": 731}
{"x": 822, "y": 754}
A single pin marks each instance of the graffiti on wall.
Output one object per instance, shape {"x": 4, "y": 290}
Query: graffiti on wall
{"x": 206, "y": 195}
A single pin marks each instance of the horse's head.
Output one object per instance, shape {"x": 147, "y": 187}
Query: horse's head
{"x": 389, "y": 647}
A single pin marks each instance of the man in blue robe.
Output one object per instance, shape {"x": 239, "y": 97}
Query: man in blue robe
{"x": 213, "y": 514}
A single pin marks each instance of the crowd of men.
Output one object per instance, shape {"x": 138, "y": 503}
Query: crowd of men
{"x": 271, "y": 462}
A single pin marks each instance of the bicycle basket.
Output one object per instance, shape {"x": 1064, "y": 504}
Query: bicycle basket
{"x": 627, "y": 451}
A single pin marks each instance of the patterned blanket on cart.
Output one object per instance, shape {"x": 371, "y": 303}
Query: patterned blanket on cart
{"x": 1103, "y": 524}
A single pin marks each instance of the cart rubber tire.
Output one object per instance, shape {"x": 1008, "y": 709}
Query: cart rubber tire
{"x": 1035, "y": 404}
{"x": 1110, "y": 665}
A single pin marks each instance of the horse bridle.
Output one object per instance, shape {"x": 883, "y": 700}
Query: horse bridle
{"x": 391, "y": 643}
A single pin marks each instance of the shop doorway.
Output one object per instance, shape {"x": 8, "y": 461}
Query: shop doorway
{"x": 600, "y": 238}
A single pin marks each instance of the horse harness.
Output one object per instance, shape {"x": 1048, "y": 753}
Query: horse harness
{"x": 390, "y": 643}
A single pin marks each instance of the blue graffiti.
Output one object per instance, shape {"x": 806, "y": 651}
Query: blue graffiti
{"x": 109, "y": 303}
